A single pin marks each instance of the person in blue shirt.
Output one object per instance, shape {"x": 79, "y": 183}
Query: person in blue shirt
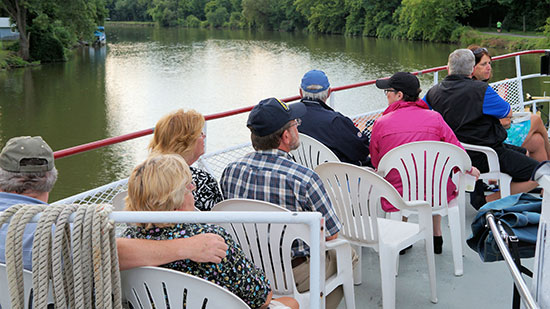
{"x": 472, "y": 109}
{"x": 329, "y": 127}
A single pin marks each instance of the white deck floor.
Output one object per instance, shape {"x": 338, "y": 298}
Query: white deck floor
{"x": 483, "y": 285}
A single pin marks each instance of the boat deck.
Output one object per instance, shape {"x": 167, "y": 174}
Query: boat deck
{"x": 483, "y": 285}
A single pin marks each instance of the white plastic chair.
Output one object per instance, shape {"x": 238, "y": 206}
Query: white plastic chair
{"x": 118, "y": 200}
{"x": 425, "y": 168}
{"x": 355, "y": 194}
{"x": 272, "y": 251}
{"x": 311, "y": 152}
{"x": 5, "y": 299}
{"x": 155, "y": 287}
{"x": 494, "y": 172}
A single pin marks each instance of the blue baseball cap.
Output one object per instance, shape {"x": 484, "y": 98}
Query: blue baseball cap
{"x": 315, "y": 81}
{"x": 272, "y": 114}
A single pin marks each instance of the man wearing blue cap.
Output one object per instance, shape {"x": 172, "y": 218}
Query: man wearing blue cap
{"x": 269, "y": 175}
{"x": 331, "y": 128}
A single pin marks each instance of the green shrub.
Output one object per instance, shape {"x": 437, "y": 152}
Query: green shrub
{"x": 46, "y": 47}
{"x": 192, "y": 21}
{"x": 386, "y": 31}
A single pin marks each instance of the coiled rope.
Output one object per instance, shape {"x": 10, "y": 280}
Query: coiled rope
{"x": 81, "y": 266}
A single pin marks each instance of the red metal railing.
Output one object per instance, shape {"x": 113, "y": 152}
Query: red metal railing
{"x": 113, "y": 140}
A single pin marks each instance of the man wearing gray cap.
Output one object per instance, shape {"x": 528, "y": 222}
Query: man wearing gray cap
{"x": 269, "y": 175}
{"x": 28, "y": 174}
{"x": 328, "y": 126}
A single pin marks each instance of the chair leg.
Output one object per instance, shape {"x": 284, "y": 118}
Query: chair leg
{"x": 387, "y": 271}
{"x": 429, "y": 245}
{"x": 456, "y": 240}
{"x": 358, "y": 270}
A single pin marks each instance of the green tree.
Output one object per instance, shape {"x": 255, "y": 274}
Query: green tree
{"x": 325, "y": 16}
{"x": 256, "y": 13}
{"x": 378, "y": 15}
{"x": 430, "y": 20}
{"x": 216, "y": 12}
{"x": 59, "y": 20}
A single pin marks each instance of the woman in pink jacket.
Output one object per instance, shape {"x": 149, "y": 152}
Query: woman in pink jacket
{"x": 409, "y": 119}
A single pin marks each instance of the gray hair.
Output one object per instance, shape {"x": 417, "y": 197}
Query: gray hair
{"x": 323, "y": 95}
{"x": 461, "y": 62}
{"x": 21, "y": 183}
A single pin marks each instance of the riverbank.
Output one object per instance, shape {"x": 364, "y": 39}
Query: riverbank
{"x": 9, "y": 58}
{"x": 505, "y": 40}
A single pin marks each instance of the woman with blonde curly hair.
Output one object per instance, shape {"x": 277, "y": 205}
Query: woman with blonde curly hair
{"x": 181, "y": 133}
{"x": 164, "y": 183}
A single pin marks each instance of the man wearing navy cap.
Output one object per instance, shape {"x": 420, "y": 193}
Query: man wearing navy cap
{"x": 331, "y": 128}
{"x": 269, "y": 175}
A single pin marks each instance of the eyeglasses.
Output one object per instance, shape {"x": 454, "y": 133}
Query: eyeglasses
{"x": 386, "y": 91}
{"x": 297, "y": 122}
{"x": 480, "y": 50}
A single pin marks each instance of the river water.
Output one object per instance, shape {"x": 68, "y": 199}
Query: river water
{"x": 146, "y": 72}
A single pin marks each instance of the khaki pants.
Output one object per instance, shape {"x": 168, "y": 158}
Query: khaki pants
{"x": 301, "y": 276}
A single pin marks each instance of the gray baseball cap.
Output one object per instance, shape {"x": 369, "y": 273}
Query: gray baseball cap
{"x": 27, "y": 154}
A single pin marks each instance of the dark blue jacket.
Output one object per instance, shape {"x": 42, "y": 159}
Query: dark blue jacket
{"x": 335, "y": 131}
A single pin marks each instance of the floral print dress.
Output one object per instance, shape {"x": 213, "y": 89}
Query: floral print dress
{"x": 207, "y": 194}
{"x": 235, "y": 272}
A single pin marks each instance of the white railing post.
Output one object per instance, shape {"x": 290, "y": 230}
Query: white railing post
{"x": 520, "y": 83}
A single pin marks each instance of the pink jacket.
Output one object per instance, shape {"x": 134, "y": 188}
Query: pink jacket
{"x": 404, "y": 122}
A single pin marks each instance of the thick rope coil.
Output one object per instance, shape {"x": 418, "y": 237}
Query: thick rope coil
{"x": 20, "y": 215}
{"x": 42, "y": 262}
{"x": 77, "y": 258}
{"x": 77, "y": 283}
{"x": 62, "y": 268}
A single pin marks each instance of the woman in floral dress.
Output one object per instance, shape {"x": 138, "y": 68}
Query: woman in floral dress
{"x": 164, "y": 183}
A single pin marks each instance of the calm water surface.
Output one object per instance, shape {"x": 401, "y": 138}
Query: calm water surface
{"x": 146, "y": 72}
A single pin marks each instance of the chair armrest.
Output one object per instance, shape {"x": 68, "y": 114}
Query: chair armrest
{"x": 492, "y": 158}
{"x": 335, "y": 243}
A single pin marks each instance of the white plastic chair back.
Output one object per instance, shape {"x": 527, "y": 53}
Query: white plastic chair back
{"x": 274, "y": 260}
{"x": 425, "y": 168}
{"x": 494, "y": 172}
{"x": 118, "y": 200}
{"x": 311, "y": 152}
{"x": 5, "y": 300}
{"x": 355, "y": 193}
{"x": 269, "y": 247}
{"x": 155, "y": 287}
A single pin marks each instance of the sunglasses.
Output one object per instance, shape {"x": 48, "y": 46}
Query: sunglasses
{"x": 480, "y": 50}
{"x": 386, "y": 91}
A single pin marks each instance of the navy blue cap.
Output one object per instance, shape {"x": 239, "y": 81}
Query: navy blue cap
{"x": 315, "y": 81}
{"x": 272, "y": 114}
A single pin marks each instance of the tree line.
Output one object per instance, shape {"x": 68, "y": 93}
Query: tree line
{"x": 430, "y": 20}
{"x": 58, "y": 24}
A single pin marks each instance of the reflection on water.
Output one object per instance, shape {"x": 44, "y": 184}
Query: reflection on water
{"x": 145, "y": 73}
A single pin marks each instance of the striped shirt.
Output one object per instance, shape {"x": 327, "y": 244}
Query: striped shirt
{"x": 269, "y": 175}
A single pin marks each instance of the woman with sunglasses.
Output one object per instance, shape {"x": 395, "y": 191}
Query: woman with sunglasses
{"x": 182, "y": 133}
{"x": 408, "y": 119}
{"x": 530, "y": 134}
